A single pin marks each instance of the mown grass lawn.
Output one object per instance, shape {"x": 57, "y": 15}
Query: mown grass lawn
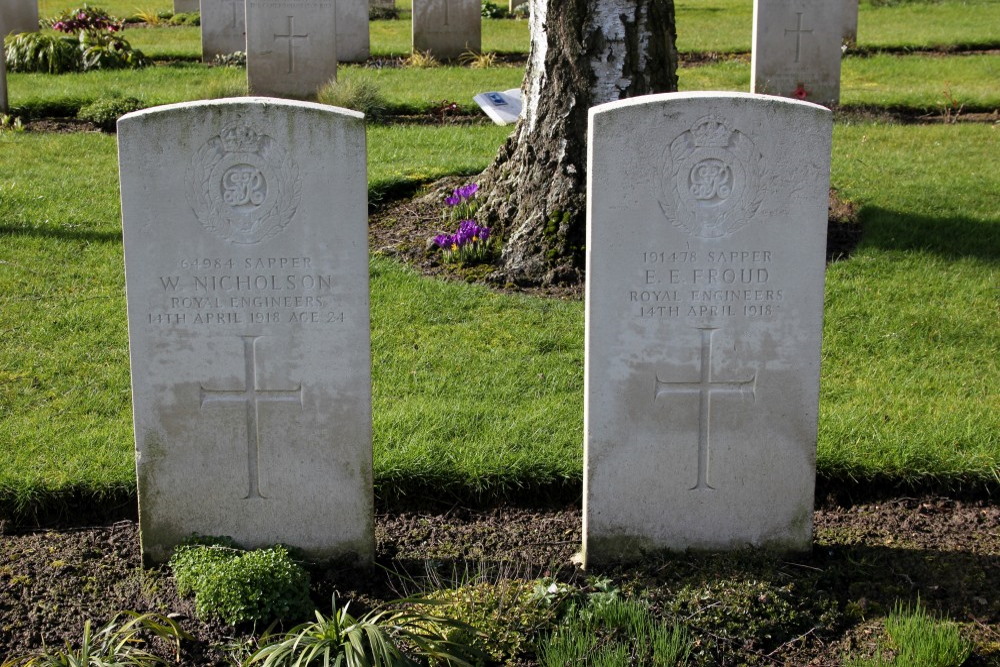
{"x": 465, "y": 399}
{"x": 480, "y": 392}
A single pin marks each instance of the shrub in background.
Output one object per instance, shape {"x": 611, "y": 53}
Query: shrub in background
{"x": 240, "y": 586}
{"x": 94, "y": 44}
{"x": 104, "y": 112}
{"x": 360, "y": 93}
{"x": 42, "y": 52}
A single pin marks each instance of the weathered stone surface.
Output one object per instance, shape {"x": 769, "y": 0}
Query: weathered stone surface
{"x": 850, "y": 35}
{"x": 353, "y": 40}
{"x": 223, "y": 28}
{"x": 247, "y": 280}
{"x": 18, "y": 16}
{"x": 447, "y": 28}
{"x": 796, "y": 49}
{"x": 705, "y": 267}
{"x": 4, "y": 106}
{"x": 291, "y": 46}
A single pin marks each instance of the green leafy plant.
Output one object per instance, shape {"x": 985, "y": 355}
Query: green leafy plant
{"x": 11, "y": 123}
{"x": 105, "y": 50}
{"x": 917, "y": 637}
{"x": 186, "y": 18}
{"x": 608, "y": 631}
{"x": 373, "y": 639}
{"x": 104, "y": 112}
{"x": 491, "y": 10}
{"x": 383, "y": 13}
{"x": 84, "y": 17}
{"x": 234, "y": 59}
{"x": 507, "y": 612}
{"x": 360, "y": 93}
{"x": 119, "y": 643}
{"x": 94, "y": 44}
{"x": 42, "y": 52}
{"x": 240, "y": 586}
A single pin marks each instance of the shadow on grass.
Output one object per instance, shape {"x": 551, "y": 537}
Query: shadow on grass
{"x": 952, "y": 237}
{"x": 62, "y": 233}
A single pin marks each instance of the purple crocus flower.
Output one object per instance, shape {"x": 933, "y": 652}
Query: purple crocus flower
{"x": 443, "y": 240}
{"x": 452, "y": 200}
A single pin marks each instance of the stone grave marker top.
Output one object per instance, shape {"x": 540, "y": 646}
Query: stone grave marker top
{"x": 797, "y": 49}
{"x": 223, "y": 28}
{"x": 245, "y": 225}
{"x": 18, "y": 16}
{"x": 705, "y": 264}
{"x": 447, "y": 28}
{"x": 291, "y": 46}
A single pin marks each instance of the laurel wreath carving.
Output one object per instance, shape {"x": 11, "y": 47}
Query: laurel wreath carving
{"x": 731, "y": 219}
{"x": 211, "y": 211}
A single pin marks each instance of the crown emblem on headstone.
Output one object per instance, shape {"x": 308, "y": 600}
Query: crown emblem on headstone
{"x": 240, "y": 138}
{"x": 710, "y": 131}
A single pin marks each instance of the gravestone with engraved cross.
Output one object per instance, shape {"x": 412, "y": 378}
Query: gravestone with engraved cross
{"x": 223, "y": 28}
{"x": 705, "y": 261}
{"x": 796, "y": 49}
{"x": 291, "y": 46}
{"x": 247, "y": 281}
{"x": 18, "y": 16}
{"x": 447, "y": 28}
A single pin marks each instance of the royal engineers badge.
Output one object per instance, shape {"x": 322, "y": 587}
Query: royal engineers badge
{"x": 710, "y": 180}
{"x": 243, "y": 186}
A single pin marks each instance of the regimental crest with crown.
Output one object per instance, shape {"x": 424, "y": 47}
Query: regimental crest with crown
{"x": 710, "y": 179}
{"x": 243, "y": 186}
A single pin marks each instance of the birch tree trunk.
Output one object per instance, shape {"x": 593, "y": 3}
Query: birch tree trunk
{"x": 583, "y": 53}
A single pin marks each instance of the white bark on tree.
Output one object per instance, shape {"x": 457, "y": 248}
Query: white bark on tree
{"x": 583, "y": 53}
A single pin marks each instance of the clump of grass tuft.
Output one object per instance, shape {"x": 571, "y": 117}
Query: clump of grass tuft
{"x": 478, "y": 60}
{"x": 421, "y": 60}
{"x": 917, "y": 637}
{"x": 610, "y": 631}
{"x": 360, "y": 93}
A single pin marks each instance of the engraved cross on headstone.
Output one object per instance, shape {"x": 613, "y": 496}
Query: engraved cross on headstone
{"x": 291, "y": 37}
{"x": 251, "y": 397}
{"x": 798, "y": 35}
{"x": 447, "y": 6}
{"x": 705, "y": 387}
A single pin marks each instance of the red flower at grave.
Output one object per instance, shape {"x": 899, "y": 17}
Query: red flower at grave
{"x": 800, "y": 92}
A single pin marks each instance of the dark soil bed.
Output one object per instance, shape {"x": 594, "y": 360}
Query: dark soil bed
{"x": 864, "y": 559}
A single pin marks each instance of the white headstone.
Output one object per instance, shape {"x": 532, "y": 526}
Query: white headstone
{"x": 707, "y": 216}
{"x": 353, "y": 41}
{"x": 223, "y": 28}
{"x": 447, "y": 28}
{"x": 246, "y": 269}
{"x": 186, "y": 6}
{"x": 291, "y": 46}
{"x": 4, "y": 107}
{"x": 502, "y": 108}
{"x": 18, "y": 16}
{"x": 796, "y": 49}
{"x": 850, "y": 36}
